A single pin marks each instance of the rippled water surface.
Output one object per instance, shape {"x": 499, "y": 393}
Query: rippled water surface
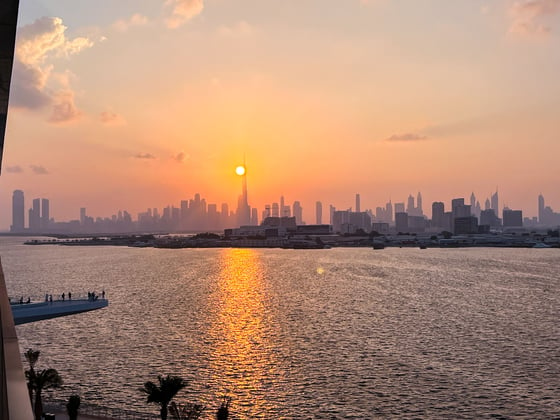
{"x": 338, "y": 333}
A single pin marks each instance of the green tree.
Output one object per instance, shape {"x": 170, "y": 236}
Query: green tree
{"x": 163, "y": 393}
{"x": 44, "y": 379}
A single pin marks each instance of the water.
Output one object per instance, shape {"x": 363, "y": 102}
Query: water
{"x": 339, "y": 333}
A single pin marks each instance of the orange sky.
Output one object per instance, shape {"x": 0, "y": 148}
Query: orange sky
{"x": 144, "y": 103}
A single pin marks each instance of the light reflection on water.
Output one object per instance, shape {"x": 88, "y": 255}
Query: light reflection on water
{"x": 340, "y": 333}
{"x": 243, "y": 359}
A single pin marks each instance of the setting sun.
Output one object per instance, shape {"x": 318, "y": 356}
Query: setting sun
{"x": 240, "y": 170}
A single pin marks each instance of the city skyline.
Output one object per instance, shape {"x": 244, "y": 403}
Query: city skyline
{"x": 325, "y": 99}
{"x": 198, "y": 214}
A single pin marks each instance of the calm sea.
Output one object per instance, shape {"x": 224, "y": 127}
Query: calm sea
{"x": 338, "y": 333}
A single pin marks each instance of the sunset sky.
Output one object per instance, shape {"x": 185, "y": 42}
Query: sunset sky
{"x": 132, "y": 104}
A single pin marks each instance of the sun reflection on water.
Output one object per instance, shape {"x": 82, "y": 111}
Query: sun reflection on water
{"x": 243, "y": 362}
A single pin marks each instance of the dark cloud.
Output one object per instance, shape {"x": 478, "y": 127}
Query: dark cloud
{"x": 181, "y": 157}
{"x": 28, "y": 89}
{"x": 14, "y": 169}
{"x": 39, "y": 170}
{"x": 144, "y": 156}
{"x": 407, "y": 137}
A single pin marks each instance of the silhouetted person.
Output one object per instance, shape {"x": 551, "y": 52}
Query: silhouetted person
{"x": 63, "y": 296}
{"x": 28, "y": 300}
{"x": 21, "y": 300}
{"x": 103, "y": 294}
{"x": 50, "y": 298}
{"x": 69, "y": 295}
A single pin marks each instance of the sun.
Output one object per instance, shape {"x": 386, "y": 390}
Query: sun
{"x": 240, "y": 170}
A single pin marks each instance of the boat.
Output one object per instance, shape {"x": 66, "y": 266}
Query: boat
{"x": 541, "y": 245}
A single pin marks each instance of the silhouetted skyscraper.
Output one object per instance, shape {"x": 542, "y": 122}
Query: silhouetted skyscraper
{"x": 18, "y": 212}
{"x": 35, "y": 216}
{"x": 438, "y": 210}
{"x": 318, "y": 213}
{"x": 243, "y": 208}
{"x": 410, "y": 205}
{"x": 45, "y": 214}
{"x": 419, "y": 204}
{"x": 282, "y": 207}
{"x": 541, "y": 209}
{"x": 512, "y": 218}
{"x": 358, "y": 203}
{"x": 298, "y": 212}
{"x": 494, "y": 204}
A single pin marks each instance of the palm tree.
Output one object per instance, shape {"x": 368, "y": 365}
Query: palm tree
{"x": 168, "y": 387}
{"x": 188, "y": 411}
{"x": 31, "y": 356}
{"x": 44, "y": 379}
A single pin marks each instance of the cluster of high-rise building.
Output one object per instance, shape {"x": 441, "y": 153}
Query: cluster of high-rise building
{"x": 196, "y": 214}
{"x": 38, "y": 214}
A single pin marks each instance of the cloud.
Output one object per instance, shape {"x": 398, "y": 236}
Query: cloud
{"x": 39, "y": 170}
{"x": 181, "y": 157}
{"x": 136, "y": 19}
{"x": 182, "y": 11}
{"x": 146, "y": 156}
{"x": 240, "y": 28}
{"x": 406, "y": 137}
{"x": 14, "y": 169}
{"x": 35, "y": 83}
{"x": 64, "y": 109}
{"x": 111, "y": 118}
{"x": 529, "y": 17}
{"x": 29, "y": 86}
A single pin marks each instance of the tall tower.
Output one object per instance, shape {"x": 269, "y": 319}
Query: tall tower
{"x": 243, "y": 208}
{"x": 318, "y": 213}
{"x": 494, "y": 204}
{"x": 298, "y": 212}
{"x": 35, "y": 216}
{"x": 18, "y": 212}
{"x": 45, "y": 214}
{"x": 282, "y": 207}
{"x": 358, "y": 203}
{"x": 389, "y": 210}
{"x": 419, "y": 204}
{"x": 438, "y": 210}
{"x": 541, "y": 209}
{"x": 410, "y": 205}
